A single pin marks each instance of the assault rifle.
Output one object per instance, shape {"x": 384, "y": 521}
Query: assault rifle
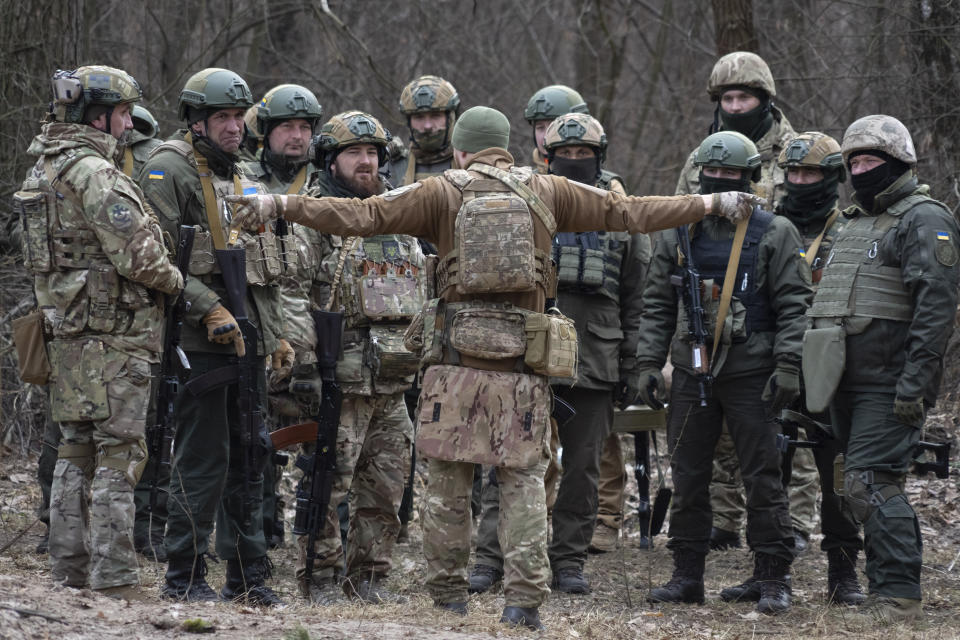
{"x": 173, "y": 365}
{"x": 688, "y": 288}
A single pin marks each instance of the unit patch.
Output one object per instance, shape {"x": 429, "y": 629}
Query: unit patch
{"x": 120, "y": 217}
{"x": 393, "y": 194}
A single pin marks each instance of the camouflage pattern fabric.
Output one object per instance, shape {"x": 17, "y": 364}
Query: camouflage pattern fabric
{"x": 880, "y": 133}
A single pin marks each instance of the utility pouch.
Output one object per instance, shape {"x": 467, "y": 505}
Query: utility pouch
{"x": 78, "y": 392}
{"x": 390, "y": 297}
{"x": 350, "y": 366}
{"x": 391, "y": 359}
{"x": 33, "y": 210}
{"x": 434, "y": 320}
{"x": 823, "y": 359}
{"x": 29, "y": 340}
{"x": 263, "y": 258}
{"x": 485, "y": 417}
{"x": 413, "y": 334}
{"x": 103, "y": 290}
{"x": 202, "y": 258}
{"x": 551, "y": 345}
{"x": 490, "y": 334}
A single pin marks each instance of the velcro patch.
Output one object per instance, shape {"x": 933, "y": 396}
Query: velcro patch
{"x": 945, "y": 251}
{"x": 120, "y": 217}
{"x": 396, "y": 193}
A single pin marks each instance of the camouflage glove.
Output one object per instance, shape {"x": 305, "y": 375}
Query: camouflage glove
{"x": 909, "y": 411}
{"x": 783, "y": 387}
{"x": 305, "y": 384}
{"x": 735, "y": 205}
{"x": 651, "y": 387}
{"x": 222, "y": 328}
{"x": 254, "y": 211}
{"x": 282, "y": 359}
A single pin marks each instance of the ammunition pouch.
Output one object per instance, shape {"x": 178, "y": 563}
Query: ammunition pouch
{"x": 389, "y": 358}
{"x": 29, "y": 338}
{"x": 34, "y": 209}
{"x": 261, "y": 250}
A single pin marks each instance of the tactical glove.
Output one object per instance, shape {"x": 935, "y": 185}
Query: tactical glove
{"x": 282, "y": 359}
{"x": 650, "y": 387}
{"x": 254, "y": 211}
{"x": 222, "y": 328}
{"x": 305, "y": 384}
{"x": 735, "y": 205}
{"x": 783, "y": 387}
{"x": 628, "y": 391}
{"x": 909, "y": 411}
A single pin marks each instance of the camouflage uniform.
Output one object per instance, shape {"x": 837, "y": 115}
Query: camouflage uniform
{"x": 106, "y": 326}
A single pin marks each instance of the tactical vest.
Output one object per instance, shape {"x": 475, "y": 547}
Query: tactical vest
{"x": 494, "y": 249}
{"x": 853, "y": 284}
{"x": 383, "y": 280}
{"x": 589, "y": 262}
{"x": 607, "y": 178}
{"x": 711, "y": 257}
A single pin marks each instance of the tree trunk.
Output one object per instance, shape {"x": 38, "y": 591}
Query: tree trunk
{"x": 733, "y": 20}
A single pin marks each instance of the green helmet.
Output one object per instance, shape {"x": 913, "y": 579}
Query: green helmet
{"x": 350, "y": 128}
{"x": 815, "y": 150}
{"x": 740, "y": 68}
{"x": 213, "y": 89}
{"x": 429, "y": 93}
{"x": 576, "y": 129}
{"x": 879, "y": 133}
{"x": 729, "y": 149}
{"x": 553, "y": 101}
{"x": 253, "y": 126}
{"x": 74, "y": 91}
{"x": 286, "y": 102}
{"x": 144, "y": 122}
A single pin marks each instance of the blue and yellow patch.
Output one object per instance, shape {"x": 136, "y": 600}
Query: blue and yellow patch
{"x": 803, "y": 254}
{"x": 155, "y": 175}
{"x": 943, "y": 235}
{"x": 944, "y": 250}
{"x": 249, "y": 191}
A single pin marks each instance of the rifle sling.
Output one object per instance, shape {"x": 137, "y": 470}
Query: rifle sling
{"x": 128, "y": 162}
{"x": 298, "y": 181}
{"x": 294, "y": 434}
{"x": 815, "y": 245}
{"x": 220, "y": 377}
{"x": 210, "y": 197}
{"x": 728, "y": 280}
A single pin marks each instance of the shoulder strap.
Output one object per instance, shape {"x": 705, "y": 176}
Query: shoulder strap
{"x": 522, "y": 190}
{"x": 298, "y": 181}
{"x": 728, "y": 279}
{"x": 53, "y": 177}
{"x": 815, "y": 245}
{"x": 348, "y": 246}
{"x": 128, "y": 162}
{"x": 209, "y": 195}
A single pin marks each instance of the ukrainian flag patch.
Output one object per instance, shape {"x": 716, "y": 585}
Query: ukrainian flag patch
{"x": 944, "y": 250}
{"x": 156, "y": 175}
{"x": 943, "y": 235}
{"x": 803, "y": 254}
{"x": 249, "y": 191}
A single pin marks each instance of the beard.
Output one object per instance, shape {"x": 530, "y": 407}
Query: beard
{"x": 362, "y": 184}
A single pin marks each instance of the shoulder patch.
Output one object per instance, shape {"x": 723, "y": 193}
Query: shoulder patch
{"x": 393, "y": 194}
{"x": 945, "y": 250}
{"x": 459, "y": 177}
{"x": 120, "y": 217}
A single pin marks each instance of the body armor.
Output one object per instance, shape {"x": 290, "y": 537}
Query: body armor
{"x": 589, "y": 262}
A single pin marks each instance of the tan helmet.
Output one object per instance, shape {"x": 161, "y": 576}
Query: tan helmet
{"x": 552, "y": 101}
{"x": 253, "y": 128}
{"x": 429, "y": 93}
{"x": 74, "y": 91}
{"x": 879, "y": 133}
{"x": 576, "y": 129}
{"x": 815, "y": 150}
{"x": 349, "y": 128}
{"x": 740, "y": 68}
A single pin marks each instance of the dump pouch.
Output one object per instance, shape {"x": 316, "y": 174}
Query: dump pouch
{"x": 824, "y": 358}
{"x": 31, "y": 346}
{"x": 389, "y": 357}
{"x": 551, "y": 345}
{"x": 490, "y": 334}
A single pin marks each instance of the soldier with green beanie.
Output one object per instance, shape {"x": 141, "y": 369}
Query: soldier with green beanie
{"x": 486, "y": 393}
{"x": 879, "y": 326}
{"x": 754, "y": 359}
{"x": 185, "y": 180}
{"x": 542, "y": 108}
{"x": 99, "y": 264}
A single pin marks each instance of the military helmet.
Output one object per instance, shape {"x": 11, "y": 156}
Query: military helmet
{"x": 553, "y": 101}
{"x": 144, "y": 122}
{"x": 879, "y": 133}
{"x": 740, "y": 68}
{"x": 286, "y": 102}
{"x": 729, "y": 149}
{"x": 576, "y": 129}
{"x": 429, "y": 93}
{"x": 253, "y": 127}
{"x": 350, "y": 128}
{"x": 74, "y": 91}
{"x": 815, "y": 150}
{"x": 213, "y": 89}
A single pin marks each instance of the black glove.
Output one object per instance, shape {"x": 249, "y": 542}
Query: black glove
{"x": 650, "y": 387}
{"x": 783, "y": 387}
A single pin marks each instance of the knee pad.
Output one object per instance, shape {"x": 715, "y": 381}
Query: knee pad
{"x": 82, "y": 456}
{"x": 129, "y": 458}
{"x": 865, "y": 491}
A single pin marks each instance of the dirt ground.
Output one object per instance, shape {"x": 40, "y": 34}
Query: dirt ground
{"x": 31, "y": 606}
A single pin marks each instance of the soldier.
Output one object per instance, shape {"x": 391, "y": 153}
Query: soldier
{"x": 288, "y": 116}
{"x": 881, "y": 318}
{"x": 755, "y": 369}
{"x": 144, "y": 138}
{"x": 488, "y": 407}
{"x": 185, "y": 180}
{"x": 542, "y": 108}
{"x": 380, "y": 287}
{"x": 600, "y": 278}
{"x": 253, "y": 140}
{"x": 106, "y": 331}
{"x": 431, "y": 105}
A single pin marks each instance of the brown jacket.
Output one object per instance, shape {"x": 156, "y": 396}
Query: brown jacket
{"x": 428, "y": 210}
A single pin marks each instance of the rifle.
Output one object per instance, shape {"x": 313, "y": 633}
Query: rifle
{"x": 173, "y": 365}
{"x": 313, "y": 500}
{"x": 688, "y": 287}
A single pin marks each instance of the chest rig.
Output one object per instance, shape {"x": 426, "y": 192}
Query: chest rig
{"x": 589, "y": 262}
{"x": 383, "y": 280}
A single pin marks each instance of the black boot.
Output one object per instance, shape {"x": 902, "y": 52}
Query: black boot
{"x": 721, "y": 539}
{"x": 528, "y": 617}
{"x": 483, "y": 577}
{"x": 570, "y": 580}
{"x": 774, "y": 578}
{"x": 245, "y": 582}
{"x": 186, "y": 580}
{"x": 747, "y": 591}
{"x": 686, "y": 584}
{"x": 842, "y": 581}
{"x": 151, "y": 546}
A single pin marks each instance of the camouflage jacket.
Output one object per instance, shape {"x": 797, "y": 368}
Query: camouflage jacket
{"x": 172, "y": 186}
{"x": 104, "y": 289}
{"x": 137, "y": 151}
{"x": 780, "y": 274}
{"x": 772, "y": 177}
{"x": 255, "y": 170}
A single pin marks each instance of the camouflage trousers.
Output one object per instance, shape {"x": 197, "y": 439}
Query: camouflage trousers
{"x": 522, "y": 532}
{"x": 373, "y": 460}
{"x": 91, "y": 503}
{"x": 611, "y": 483}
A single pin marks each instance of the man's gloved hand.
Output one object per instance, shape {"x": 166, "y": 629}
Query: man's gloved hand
{"x": 253, "y": 211}
{"x": 735, "y": 205}
{"x": 305, "y": 384}
{"x": 650, "y": 387}
{"x": 628, "y": 391}
{"x": 222, "y": 328}
{"x": 783, "y": 386}
{"x": 282, "y": 359}
{"x": 909, "y": 411}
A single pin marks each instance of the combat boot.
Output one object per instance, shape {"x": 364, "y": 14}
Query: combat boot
{"x": 721, "y": 539}
{"x": 842, "y": 584}
{"x": 528, "y": 617}
{"x": 483, "y": 577}
{"x": 151, "y": 546}
{"x": 774, "y": 579}
{"x": 456, "y": 608}
{"x": 883, "y": 611}
{"x": 604, "y": 539}
{"x": 186, "y": 580}
{"x": 746, "y": 591}
{"x": 324, "y": 591}
{"x": 570, "y": 580}
{"x": 686, "y": 584}
{"x": 245, "y": 582}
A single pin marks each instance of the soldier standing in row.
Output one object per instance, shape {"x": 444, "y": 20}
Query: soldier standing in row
{"x": 543, "y": 108}
{"x": 479, "y": 401}
{"x": 430, "y": 105}
{"x": 101, "y": 307}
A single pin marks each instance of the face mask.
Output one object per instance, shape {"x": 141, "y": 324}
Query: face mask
{"x": 869, "y": 184}
{"x": 718, "y": 185}
{"x": 584, "y": 170}
{"x": 434, "y": 141}
{"x": 753, "y": 123}
{"x": 805, "y": 203}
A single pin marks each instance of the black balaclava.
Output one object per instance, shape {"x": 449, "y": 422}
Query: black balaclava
{"x": 220, "y": 162}
{"x": 754, "y": 123}
{"x": 585, "y": 170}
{"x": 805, "y": 204}
{"x": 871, "y": 183}
{"x": 718, "y": 185}
{"x": 430, "y": 148}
